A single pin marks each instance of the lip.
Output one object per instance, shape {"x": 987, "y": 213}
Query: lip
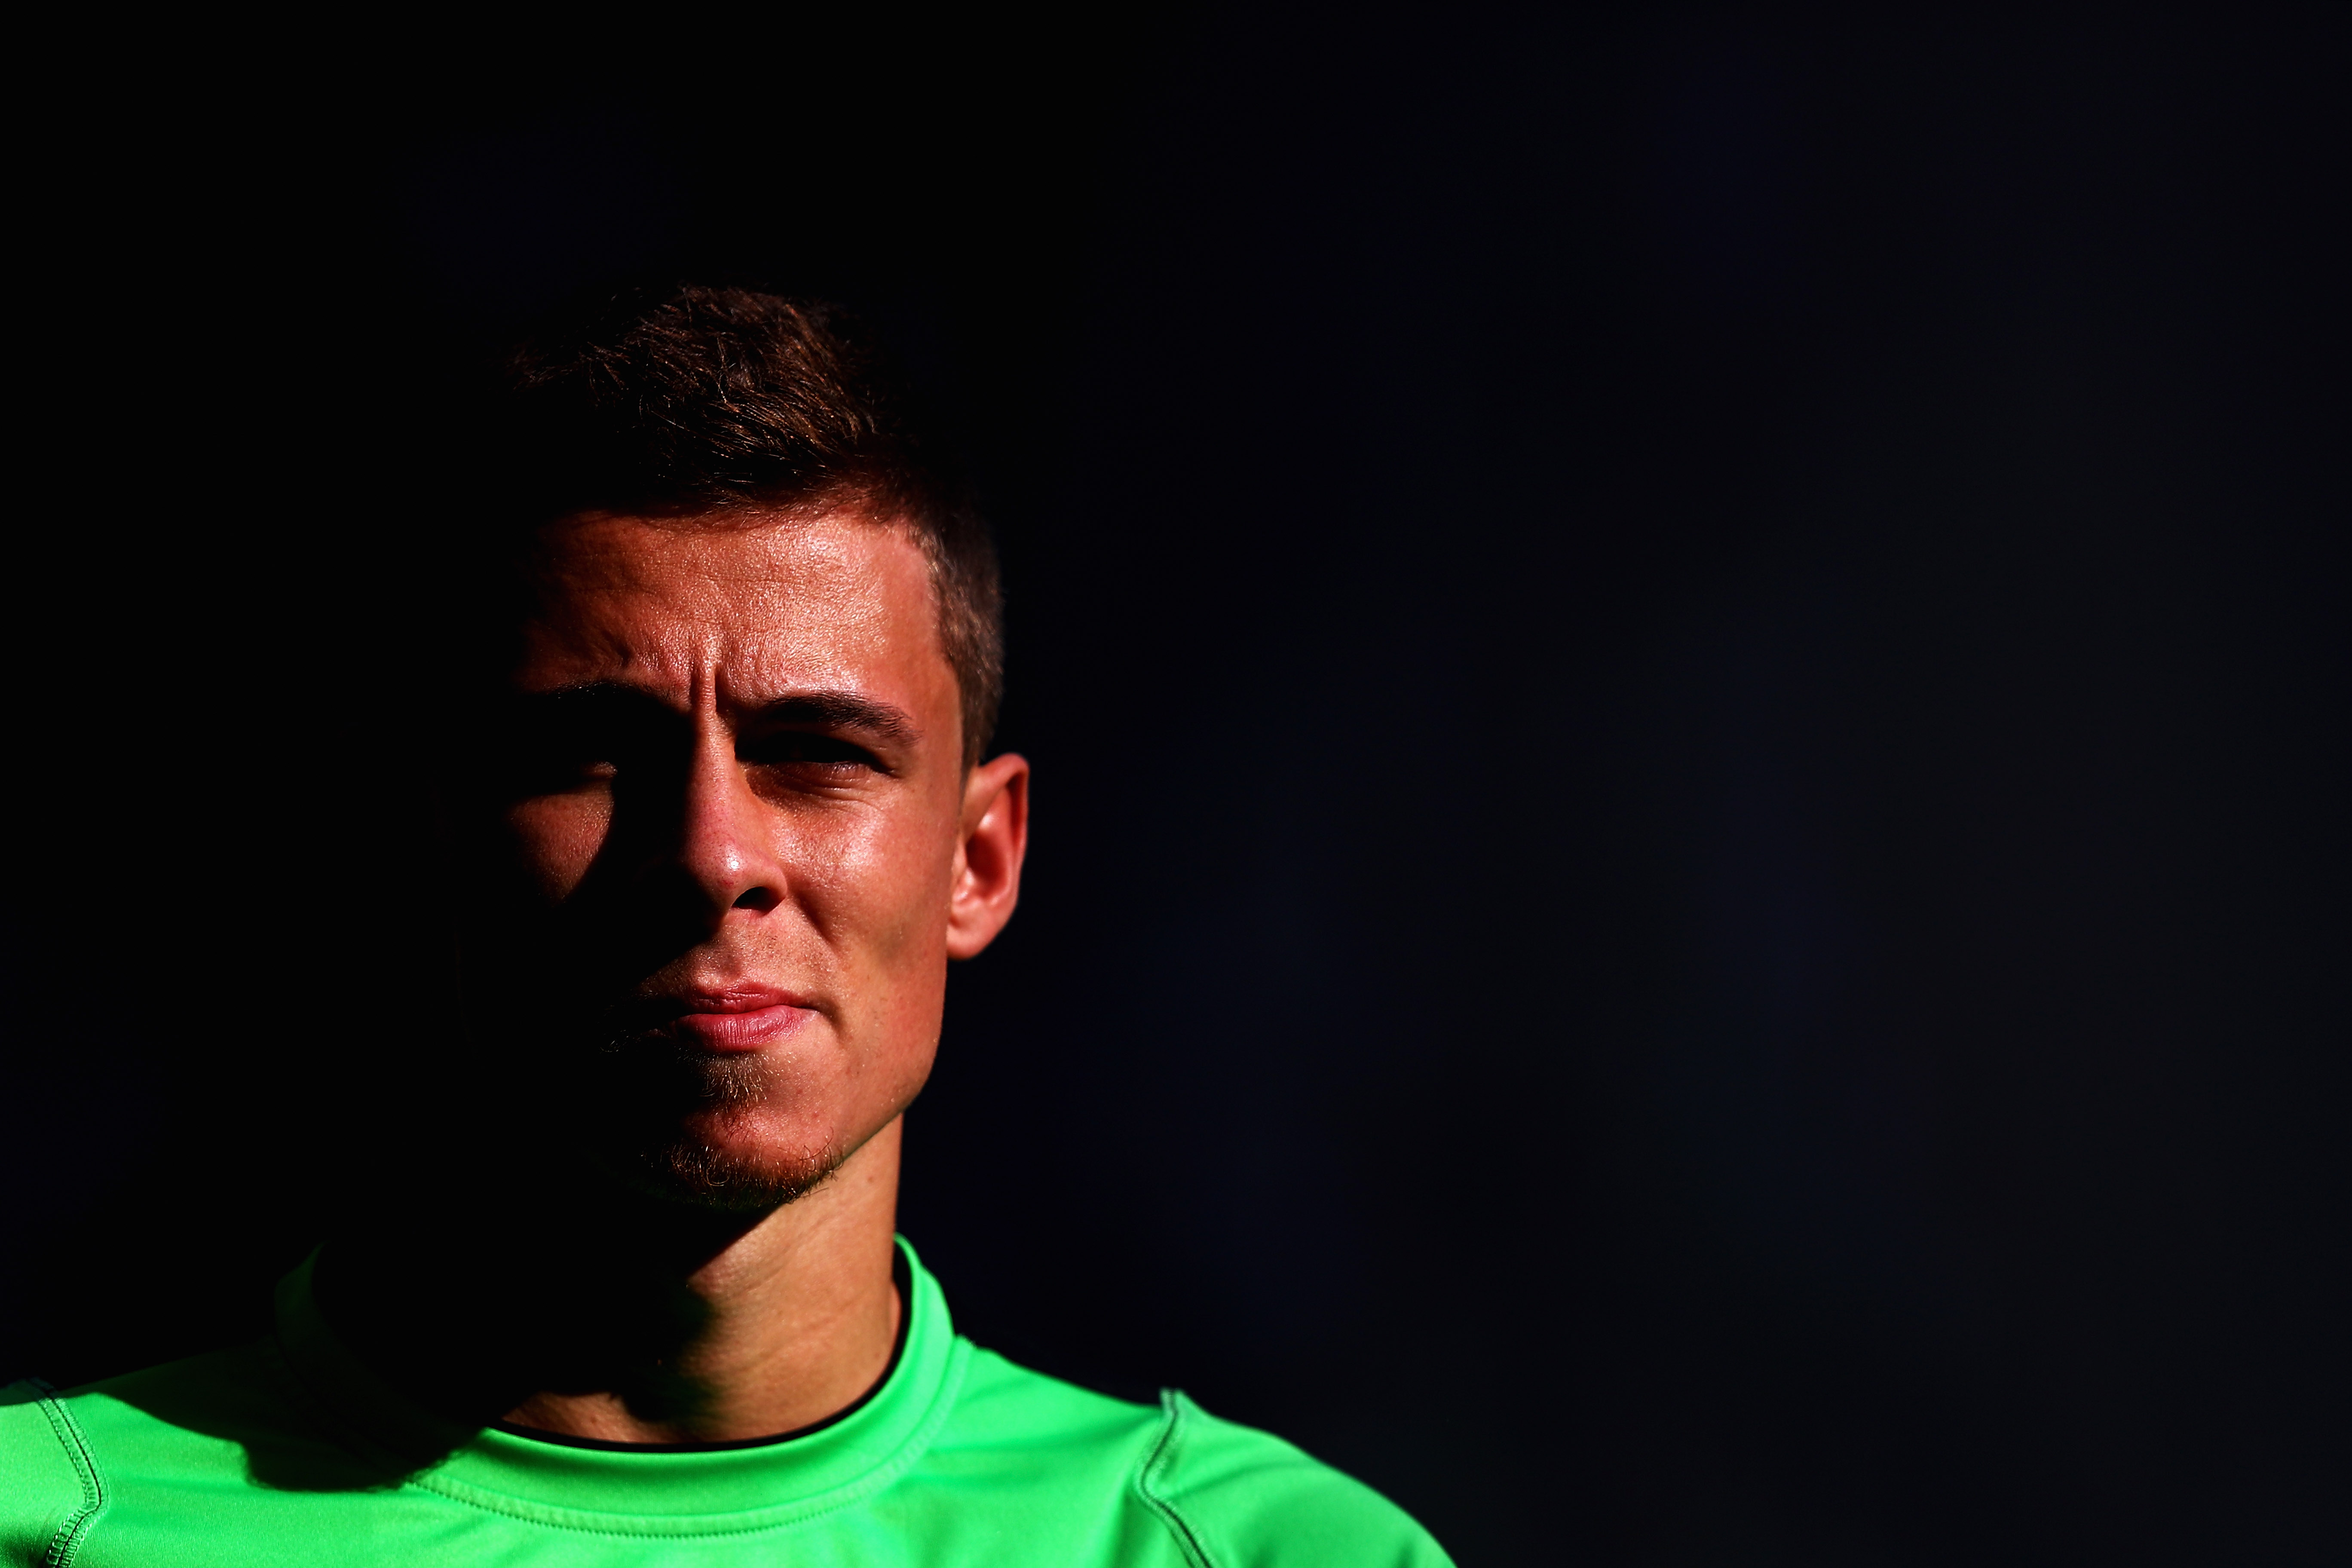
{"x": 738, "y": 1019}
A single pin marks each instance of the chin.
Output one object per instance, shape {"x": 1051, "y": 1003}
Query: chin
{"x": 733, "y": 1163}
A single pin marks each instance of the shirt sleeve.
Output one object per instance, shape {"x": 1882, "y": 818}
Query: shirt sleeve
{"x": 1238, "y": 1498}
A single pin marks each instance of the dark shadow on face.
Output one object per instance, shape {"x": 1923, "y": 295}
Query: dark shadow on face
{"x": 573, "y": 1046}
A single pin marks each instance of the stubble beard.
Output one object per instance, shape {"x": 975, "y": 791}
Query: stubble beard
{"x": 685, "y": 1126}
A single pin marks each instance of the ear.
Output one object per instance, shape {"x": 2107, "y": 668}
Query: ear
{"x": 996, "y": 835}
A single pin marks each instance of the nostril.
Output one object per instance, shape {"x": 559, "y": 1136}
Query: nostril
{"x": 761, "y": 899}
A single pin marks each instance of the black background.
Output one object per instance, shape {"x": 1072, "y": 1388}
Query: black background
{"x": 1688, "y": 673}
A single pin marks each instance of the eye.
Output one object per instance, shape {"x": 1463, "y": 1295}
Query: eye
{"x": 551, "y": 759}
{"x": 576, "y": 741}
{"x": 811, "y": 750}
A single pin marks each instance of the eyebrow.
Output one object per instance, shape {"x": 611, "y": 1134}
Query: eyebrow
{"x": 841, "y": 711}
{"x": 828, "y": 709}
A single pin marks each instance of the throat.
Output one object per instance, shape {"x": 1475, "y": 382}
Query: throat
{"x": 633, "y": 1321}
{"x": 679, "y": 1414}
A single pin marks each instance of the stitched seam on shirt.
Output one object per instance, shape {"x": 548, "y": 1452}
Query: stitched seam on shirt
{"x": 1163, "y": 1455}
{"x": 67, "y": 1542}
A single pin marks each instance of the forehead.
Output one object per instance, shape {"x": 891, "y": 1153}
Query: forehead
{"x": 755, "y": 606}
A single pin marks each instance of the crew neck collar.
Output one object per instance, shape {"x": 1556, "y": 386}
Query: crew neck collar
{"x": 648, "y": 1491}
{"x": 902, "y": 1283}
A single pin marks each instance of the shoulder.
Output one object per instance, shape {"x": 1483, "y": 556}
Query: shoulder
{"x": 206, "y": 1412}
{"x": 1012, "y": 1404}
{"x": 1221, "y": 1494}
{"x": 209, "y": 1427}
{"x": 1240, "y": 1498}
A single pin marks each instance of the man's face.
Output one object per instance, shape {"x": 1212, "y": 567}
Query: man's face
{"x": 732, "y": 845}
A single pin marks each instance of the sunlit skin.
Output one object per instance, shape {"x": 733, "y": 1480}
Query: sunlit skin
{"x": 796, "y": 809}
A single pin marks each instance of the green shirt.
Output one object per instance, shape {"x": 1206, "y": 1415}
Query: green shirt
{"x": 291, "y": 1451}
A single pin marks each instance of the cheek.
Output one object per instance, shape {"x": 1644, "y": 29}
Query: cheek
{"x": 556, "y": 838}
{"x": 877, "y": 883}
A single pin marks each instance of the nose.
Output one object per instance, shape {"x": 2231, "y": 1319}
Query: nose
{"x": 724, "y": 848}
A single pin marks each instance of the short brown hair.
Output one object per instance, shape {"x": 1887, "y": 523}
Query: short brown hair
{"x": 693, "y": 400}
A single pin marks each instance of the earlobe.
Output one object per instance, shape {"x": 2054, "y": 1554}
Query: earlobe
{"x": 995, "y": 829}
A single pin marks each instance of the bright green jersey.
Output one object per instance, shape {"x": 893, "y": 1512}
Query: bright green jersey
{"x": 291, "y": 1451}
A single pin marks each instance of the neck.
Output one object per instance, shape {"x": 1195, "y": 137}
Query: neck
{"x": 636, "y": 1321}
